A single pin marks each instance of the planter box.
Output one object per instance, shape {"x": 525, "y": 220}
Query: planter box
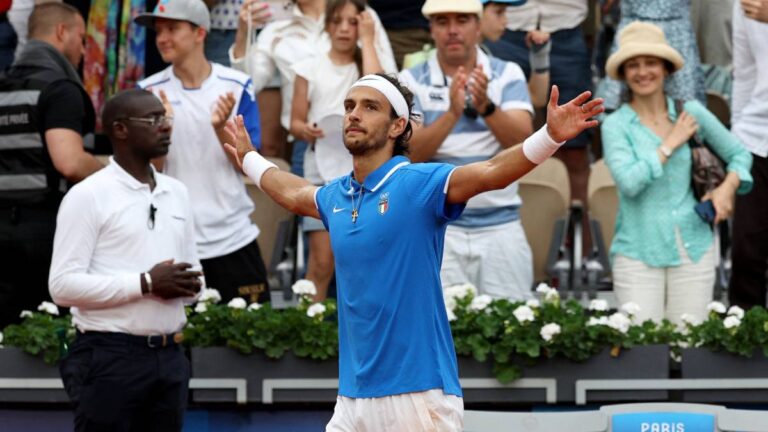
{"x": 640, "y": 362}
{"x": 15, "y": 363}
{"x": 702, "y": 363}
{"x": 221, "y": 362}
{"x": 650, "y": 361}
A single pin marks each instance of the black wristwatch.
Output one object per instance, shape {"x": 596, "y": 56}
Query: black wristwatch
{"x": 489, "y": 109}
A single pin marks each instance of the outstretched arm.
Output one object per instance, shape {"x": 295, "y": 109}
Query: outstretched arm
{"x": 563, "y": 123}
{"x": 291, "y": 192}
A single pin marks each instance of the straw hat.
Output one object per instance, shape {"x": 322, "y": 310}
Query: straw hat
{"x": 432, "y": 7}
{"x": 641, "y": 38}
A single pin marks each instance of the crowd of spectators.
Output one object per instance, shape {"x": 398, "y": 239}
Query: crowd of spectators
{"x": 479, "y": 82}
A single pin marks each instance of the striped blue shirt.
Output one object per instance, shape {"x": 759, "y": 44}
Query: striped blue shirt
{"x": 471, "y": 140}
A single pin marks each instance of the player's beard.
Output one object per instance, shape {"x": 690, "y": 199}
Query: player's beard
{"x": 372, "y": 141}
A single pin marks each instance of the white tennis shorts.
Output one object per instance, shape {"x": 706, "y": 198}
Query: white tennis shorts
{"x": 427, "y": 411}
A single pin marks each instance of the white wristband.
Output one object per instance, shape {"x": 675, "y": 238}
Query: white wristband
{"x": 540, "y": 146}
{"x": 255, "y": 165}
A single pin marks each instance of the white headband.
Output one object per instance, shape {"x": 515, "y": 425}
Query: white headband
{"x": 389, "y": 91}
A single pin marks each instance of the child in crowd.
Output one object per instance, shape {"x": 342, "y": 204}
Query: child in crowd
{"x": 492, "y": 27}
{"x": 281, "y": 44}
{"x": 319, "y": 88}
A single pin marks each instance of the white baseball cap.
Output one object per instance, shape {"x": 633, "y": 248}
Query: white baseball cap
{"x": 433, "y": 7}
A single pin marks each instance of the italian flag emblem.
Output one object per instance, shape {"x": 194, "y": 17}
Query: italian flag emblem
{"x": 383, "y": 203}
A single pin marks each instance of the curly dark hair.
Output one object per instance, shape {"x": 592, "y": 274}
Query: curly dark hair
{"x": 401, "y": 142}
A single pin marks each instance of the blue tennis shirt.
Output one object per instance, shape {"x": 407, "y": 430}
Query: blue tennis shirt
{"x": 394, "y": 335}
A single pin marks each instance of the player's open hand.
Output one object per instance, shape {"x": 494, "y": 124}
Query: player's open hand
{"x": 238, "y": 142}
{"x": 566, "y": 121}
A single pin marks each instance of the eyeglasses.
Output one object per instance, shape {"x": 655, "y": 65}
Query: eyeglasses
{"x": 153, "y": 121}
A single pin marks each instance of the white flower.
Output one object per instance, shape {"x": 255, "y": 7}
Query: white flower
{"x": 690, "y": 319}
{"x": 455, "y": 292}
{"x": 552, "y": 296}
{"x": 237, "y": 303}
{"x": 599, "y": 305}
{"x": 201, "y": 307}
{"x": 533, "y": 303}
{"x": 523, "y": 314}
{"x": 48, "y": 308}
{"x": 731, "y": 322}
{"x": 451, "y": 315}
{"x": 459, "y": 291}
{"x": 736, "y": 311}
{"x": 593, "y": 321}
{"x": 631, "y": 308}
{"x": 25, "y": 314}
{"x": 620, "y": 322}
{"x": 304, "y": 287}
{"x": 716, "y": 306}
{"x": 254, "y": 306}
{"x": 480, "y": 302}
{"x": 209, "y": 295}
{"x": 549, "y": 331}
{"x": 1, "y": 338}
{"x": 450, "y": 303}
{"x": 315, "y": 309}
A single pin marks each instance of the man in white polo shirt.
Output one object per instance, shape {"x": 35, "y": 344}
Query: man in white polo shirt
{"x": 203, "y": 96}
{"x": 473, "y": 106}
{"x": 124, "y": 261}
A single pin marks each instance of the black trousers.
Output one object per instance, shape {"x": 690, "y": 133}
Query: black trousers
{"x": 118, "y": 383}
{"x": 750, "y": 241}
{"x": 239, "y": 274}
{"x": 26, "y": 246}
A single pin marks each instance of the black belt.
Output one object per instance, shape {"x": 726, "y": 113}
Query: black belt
{"x": 149, "y": 341}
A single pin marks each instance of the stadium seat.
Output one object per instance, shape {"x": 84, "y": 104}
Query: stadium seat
{"x": 571, "y": 421}
{"x": 603, "y": 205}
{"x": 718, "y": 105}
{"x": 546, "y": 192}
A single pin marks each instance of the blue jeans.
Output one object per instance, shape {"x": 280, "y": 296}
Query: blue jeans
{"x": 569, "y": 64}
{"x": 217, "y": 44}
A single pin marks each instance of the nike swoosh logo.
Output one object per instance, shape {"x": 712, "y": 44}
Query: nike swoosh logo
{"x": 336, "y": 210}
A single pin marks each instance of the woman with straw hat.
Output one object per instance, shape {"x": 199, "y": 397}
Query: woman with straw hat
{"x": 674, "y": 19}
{"x": 663, "y": 251}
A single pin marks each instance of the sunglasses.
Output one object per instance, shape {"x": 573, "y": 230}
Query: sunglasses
{"x": 152, "y": 121}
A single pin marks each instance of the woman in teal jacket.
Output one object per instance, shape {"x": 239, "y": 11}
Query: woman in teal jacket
{"x": 663, "y": 251}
